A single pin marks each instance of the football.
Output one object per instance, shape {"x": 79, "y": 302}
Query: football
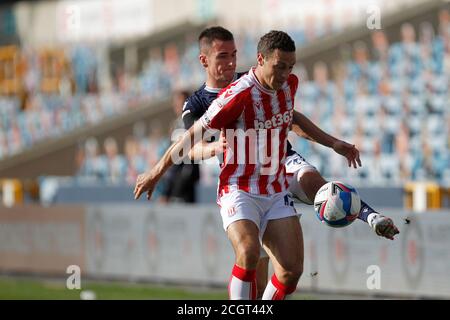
{"x": 337, "y": 204}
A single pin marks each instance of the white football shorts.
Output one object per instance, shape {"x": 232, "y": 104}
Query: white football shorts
{"x": 240, "y": 205}
{"x": 296, "y": 166}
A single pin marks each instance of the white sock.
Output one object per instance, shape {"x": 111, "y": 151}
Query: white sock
{"x": 242, "y": 284}
{"x": 371, "y": 217}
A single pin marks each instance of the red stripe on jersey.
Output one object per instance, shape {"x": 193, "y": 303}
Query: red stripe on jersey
{"x": 276, "y": 184}
{"x": 263, "y": 180}
{"x": 249, "y": 169}
{"x": 282, "y": 148}
{"x": 228, "y": 169}
{"x": 227, "y": 108}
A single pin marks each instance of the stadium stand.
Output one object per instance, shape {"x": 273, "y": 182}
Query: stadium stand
{"x": 371, "y": 95}
{"x": 388, "y": 96}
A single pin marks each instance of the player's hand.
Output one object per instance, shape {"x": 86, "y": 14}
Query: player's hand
{"x": 349, "y": 151}
{"x": 145, "y": 182}
{"x": 384, "y": 227}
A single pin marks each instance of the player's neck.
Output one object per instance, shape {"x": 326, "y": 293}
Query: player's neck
{"x": 260, "y": 78}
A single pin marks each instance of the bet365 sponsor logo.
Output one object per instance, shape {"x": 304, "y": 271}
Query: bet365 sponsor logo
{"x": 277, "y": 121}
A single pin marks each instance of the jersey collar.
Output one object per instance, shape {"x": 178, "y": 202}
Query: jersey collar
{"x": 258, "y": 84}
{"x": 217, "y": 90}
{"x": 212, "y": 90}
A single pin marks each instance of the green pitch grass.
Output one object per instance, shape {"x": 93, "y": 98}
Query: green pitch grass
{"x": 20, "y": 288}
{"x": 14, "y": 288}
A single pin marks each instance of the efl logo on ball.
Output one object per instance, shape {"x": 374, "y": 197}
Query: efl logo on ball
{"x": 337, "y": 204}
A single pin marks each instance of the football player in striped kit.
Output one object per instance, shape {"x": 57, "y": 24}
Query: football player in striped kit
{"x": 218, "y": 57}
{"x": 255, "y": 204}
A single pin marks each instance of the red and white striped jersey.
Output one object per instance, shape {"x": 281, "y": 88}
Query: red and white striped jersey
{"x": 256, "y": 121}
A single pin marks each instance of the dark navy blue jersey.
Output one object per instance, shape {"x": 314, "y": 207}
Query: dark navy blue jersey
{"x": 197, "y": 104}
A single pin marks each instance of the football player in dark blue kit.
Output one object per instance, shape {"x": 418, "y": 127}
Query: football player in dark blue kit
{"x": 218, "y": 57}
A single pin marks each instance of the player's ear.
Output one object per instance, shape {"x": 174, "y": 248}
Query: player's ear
{"x": 260, "y": 59}
{"x": 203, "y": 60}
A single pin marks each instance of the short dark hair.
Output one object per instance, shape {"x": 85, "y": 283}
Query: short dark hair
{"x": 275, "y": 40}
{"x": 208, "y": 35}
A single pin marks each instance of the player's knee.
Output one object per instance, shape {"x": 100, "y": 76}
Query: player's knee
{"x": 291, "y": 275}
{"x": 293, "y": 271}
{"x": 248, "y": 255}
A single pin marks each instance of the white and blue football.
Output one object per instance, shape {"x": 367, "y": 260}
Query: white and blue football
{"x": 337, "y": 204}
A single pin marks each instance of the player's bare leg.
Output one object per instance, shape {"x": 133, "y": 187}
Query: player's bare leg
{"x": 262, "y": 274}
{"x": 311, "y": 181}
{"x": 244, "y": 238}
{"x": 283, "y": 241}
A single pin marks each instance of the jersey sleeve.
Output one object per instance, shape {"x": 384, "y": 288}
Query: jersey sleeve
{"x": 192, "y": 111}
{"x": 226, "y": 109}
{"x": 188, "y": 120}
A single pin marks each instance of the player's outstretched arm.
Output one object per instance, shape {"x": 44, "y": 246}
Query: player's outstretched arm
{"x": 146, "y": 182}
{"x": 306, "y": 128}
{"x": 311, "y": 131}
